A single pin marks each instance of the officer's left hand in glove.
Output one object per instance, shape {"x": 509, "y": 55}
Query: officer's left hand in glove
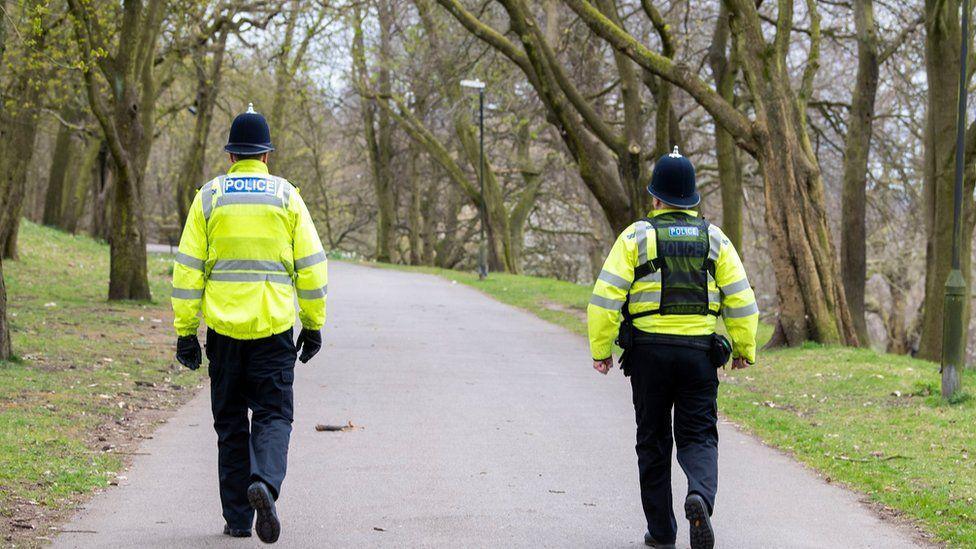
{"x": 188, "y": 351}
{"x": 309, "y": 342}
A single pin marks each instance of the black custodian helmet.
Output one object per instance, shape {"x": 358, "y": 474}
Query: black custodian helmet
{"x": 249, "y": 134}
{"x": 673, "y": 181}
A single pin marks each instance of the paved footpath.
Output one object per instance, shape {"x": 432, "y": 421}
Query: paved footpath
{"x": 478, "y": 426}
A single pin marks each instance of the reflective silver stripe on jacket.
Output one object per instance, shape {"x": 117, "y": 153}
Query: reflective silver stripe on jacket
{"x": 248, "y": 198}
{"x": 248, "y": 265}
{"x": 645, "y": 297}
{"x": 613, "y": 280}
{"x": 641, "y": 242}
{"x": 285, "y": 192}
{"x": 189, "y": 261}
{"x": 206, "y": 195}
{"x": 606, "y": 303}
{"x": 739, "y": 312}
{"x": 186, "y": 293}
{"x": 250, "y": 277}
{"x": 309, "y": 260}
{"x": 313, "y": 294}
{"x": 714, "y": 242}
{"x": 736, "y": 287}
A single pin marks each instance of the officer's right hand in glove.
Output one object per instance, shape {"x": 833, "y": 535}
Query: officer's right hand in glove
{"x": 188, "y": 351}
{"x": 309, "y": 342}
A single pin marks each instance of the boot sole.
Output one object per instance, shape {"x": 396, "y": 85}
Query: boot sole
{"x": 702, "y": 535}
{"x": 267, "y": 525}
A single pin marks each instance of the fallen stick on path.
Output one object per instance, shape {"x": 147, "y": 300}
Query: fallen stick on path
{"x": 868, "y": 460}
{"x": 347, "y": 427}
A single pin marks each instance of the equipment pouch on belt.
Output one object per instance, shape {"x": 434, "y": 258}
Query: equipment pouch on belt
{"x": 627, "y": 333}
{"x": 625, "y": 340}
{"x": 625, "y": 337}
{"x": 720, "y": 351}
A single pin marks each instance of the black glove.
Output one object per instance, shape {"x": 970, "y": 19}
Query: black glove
{"x": 188, "y": 351}
{"x": 309, "y": 343}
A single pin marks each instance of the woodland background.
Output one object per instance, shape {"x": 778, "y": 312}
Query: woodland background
{"x": 823, "y": 133}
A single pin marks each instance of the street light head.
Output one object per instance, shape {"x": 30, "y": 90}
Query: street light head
{"x": 475, "y": 84}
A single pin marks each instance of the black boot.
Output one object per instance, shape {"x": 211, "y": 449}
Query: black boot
{"x": 235, "y": 532}
{"x": 650, "y": 542}
{"x": 267, "y": 525}
{"x": 702, "y": 535}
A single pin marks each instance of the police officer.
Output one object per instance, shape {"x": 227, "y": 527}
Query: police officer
{"x": 248, "y": 249}
{"x": 666, "y": 280}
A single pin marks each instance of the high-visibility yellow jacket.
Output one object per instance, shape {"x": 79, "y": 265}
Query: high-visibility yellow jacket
{"x": 729, "y": 292}
{"x": 248, "y": 248}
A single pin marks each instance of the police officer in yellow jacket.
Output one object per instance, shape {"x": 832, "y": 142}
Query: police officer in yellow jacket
{"x": 248, "y": 250}
{"x": 667, "y": 279}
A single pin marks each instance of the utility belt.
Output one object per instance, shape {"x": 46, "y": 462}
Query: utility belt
{"x": 717, "y": 346}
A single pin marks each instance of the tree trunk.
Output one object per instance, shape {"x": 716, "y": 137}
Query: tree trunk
{"x": 127, "y": 118}
{"x": 4, "y": 327}
{"x": 811, "y": 298}
{"x": 18, "y": 125}
{"x": 942, "y": 42}
{"x": 18, "y": 149}
{"x": 812, "y": 304}
{"x": 128, "y": 276}
{"x": 857, "y": 149}
{"x": 729, "y": 168}
{"x": 896, "y": 323}
{"x": 208, "y": 86}
{"x": 386, "y": 199}
{"x": 415, "y": 220}
{"x": 448, "y": 249}
{"x": 65, "y": 145}
{"x": 430, "y": 212}
{"x": 283, "y": 76}
{"x": 103, "y": 183}
{"x": 488, "y": 195}
{"x": 5, "y": 349}
{"x": 377, "y": 130}
{"x": 532, "y": 183}
{"x": 78, "y": 188}
{"x": 287, "y": 61}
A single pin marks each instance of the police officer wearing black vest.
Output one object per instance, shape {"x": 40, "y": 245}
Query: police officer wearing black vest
{"x": 667, "y": 279}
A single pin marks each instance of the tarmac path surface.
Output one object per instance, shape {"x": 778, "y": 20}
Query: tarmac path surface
{"x": 477, "y": 425}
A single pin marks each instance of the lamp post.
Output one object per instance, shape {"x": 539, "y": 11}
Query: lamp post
{"x": 482, "y": 248}
{"x": 953, "y": 338}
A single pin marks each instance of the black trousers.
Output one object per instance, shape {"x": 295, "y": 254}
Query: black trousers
{"x": 665, "y": 377}
{"x": 257, "y": 375}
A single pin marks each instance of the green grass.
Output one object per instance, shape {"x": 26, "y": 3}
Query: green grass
{"x": 872, "y": 421}
{"x": 85, "y": 369}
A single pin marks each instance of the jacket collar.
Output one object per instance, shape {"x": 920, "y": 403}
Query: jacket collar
{"x": 249, "y": 166}
{"x": 655, "y": 213}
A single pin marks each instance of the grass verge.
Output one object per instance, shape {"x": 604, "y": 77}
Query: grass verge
{"x": 874, "y": 422}
{"x": 90, "y": 378}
